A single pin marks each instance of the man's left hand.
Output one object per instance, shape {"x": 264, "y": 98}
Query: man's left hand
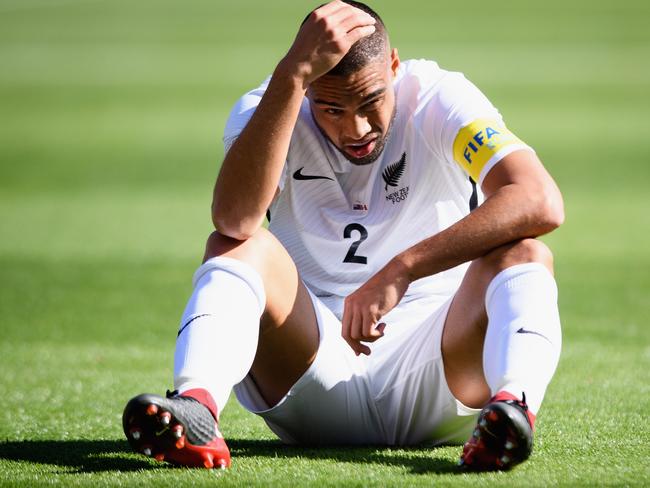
{"x": 363, "y": 309}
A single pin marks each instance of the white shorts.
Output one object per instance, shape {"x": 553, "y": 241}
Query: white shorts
{"x": 396, "y": 396}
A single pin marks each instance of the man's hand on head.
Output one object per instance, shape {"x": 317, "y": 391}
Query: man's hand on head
{"x": 325, "y": 37}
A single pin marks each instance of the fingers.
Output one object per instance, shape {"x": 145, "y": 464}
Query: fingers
{"x": 354, "y": 338}
{"x": 346, "y": 322}
{"x": 325, "y": 37}
{"x": 352, "y": 18}
{"x": 380, "y": 328}
{"x": 359, "y": 33}
{"x": 370, "y": 332}
{"x": 359, "y": 327}
{"x": 339, "y": 11}
{"x": 344, "y": 21}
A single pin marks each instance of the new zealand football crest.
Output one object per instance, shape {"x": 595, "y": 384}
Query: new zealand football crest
{"x": 391, "y": 175}
{"x": 393, "y": 172}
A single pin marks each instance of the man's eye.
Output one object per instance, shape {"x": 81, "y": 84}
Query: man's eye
{"x": 372, "y": 105}
{"x": 332, "y": 111}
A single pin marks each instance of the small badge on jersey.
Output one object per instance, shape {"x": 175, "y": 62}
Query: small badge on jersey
{"x": 360, "y": 206}
{"x": 477, "y": 142}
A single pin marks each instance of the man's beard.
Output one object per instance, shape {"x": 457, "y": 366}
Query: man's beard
{"x": 376, "y": 152}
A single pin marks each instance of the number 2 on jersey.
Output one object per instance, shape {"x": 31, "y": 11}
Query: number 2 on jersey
{"x": 351, "y": 256}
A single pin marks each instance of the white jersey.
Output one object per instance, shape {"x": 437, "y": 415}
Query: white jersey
{"x": 341, "y": 223}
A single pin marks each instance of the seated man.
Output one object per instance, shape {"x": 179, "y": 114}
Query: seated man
{"x": 399, "y": 296}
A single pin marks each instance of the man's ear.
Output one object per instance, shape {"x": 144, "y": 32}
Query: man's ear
{"x": 394, "y": 61}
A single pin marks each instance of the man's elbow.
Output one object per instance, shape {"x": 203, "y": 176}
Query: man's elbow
{"x": 236, "y": 227}
{"x": 551, "y": 210}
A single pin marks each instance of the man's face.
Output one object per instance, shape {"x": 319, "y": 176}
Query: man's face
{"x": 355, "y": 112}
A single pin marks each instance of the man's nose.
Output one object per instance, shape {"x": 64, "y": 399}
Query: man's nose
{"x": 358, "y": 127}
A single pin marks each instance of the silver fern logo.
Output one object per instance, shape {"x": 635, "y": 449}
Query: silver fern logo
{"x": 393, "y": 172}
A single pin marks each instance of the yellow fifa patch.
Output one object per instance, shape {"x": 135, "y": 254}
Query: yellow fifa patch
{"x": 477, "y": 142}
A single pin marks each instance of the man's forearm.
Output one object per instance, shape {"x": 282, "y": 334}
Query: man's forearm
{"x": 510, "y": 214}
{"x": 251, "y": 170}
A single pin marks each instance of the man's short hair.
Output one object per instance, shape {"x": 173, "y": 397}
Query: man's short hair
{"x": 366, "y": 49}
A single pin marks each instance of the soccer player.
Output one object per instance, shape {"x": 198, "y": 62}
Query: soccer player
{"x": 399, "y": 295}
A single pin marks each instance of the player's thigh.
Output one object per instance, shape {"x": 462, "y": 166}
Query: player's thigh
{"x": 330, "y": 404}
{"x": 288, "y": 330}
{"x": 466, "y": 323}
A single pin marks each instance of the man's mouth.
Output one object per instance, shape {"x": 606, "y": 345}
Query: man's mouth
{"x": 361, "y": 149}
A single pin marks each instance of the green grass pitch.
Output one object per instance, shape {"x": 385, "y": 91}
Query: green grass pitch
{"x": 111, "y": 114}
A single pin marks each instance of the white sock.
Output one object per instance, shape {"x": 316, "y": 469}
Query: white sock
{"x": 219, "y": 330}
{"x": 523, "y": 339}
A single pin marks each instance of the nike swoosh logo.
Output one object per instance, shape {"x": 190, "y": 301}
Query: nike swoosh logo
{"x": 524, "y": 331}
{"x": 158, "y": 434}
{"x": 299, "y": 176}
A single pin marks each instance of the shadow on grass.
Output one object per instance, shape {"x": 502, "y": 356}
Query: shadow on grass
{"x": 83, "y": 456}
{"x": 416, "y": 460}
{"x": 92, "y": 456}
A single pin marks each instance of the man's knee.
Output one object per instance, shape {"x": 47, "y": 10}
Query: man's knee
{"x": 253, "y": 250}
{"x": 263, "y": 251}
{"x": 519, "y": 252}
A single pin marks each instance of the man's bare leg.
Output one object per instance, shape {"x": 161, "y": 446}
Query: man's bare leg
{"x": 467, "y": 320}
{"x": 502, "y": 341}
{"x": 288, "y": 339}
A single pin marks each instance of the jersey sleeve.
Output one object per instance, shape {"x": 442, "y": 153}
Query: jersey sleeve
{"x": 241, "y": 113}
{"x": 239, "y": 117}
{"x": 470, "y": 129}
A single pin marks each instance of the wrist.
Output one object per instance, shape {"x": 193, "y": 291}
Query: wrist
{"x": 403, "y": 267}
{"x": 293, "y": 73}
